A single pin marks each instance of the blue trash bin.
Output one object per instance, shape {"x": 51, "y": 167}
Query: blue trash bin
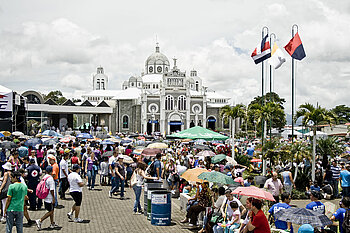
{"x": 161, "y": 208}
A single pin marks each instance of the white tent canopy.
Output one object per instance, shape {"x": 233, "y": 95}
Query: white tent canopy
{"x": 288, "y": 133}
{"x": 319, "y": 134}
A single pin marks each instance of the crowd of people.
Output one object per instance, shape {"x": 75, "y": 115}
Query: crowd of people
{"x": 36, "y": 177}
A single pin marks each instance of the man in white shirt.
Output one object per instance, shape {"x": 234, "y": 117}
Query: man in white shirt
{"x": 274, "y": 186}
{"x": 227, "y": 200}
{"x": 76, "y": 191}
{"x": 64, "y": 171}
{"x": 49, "y": 200}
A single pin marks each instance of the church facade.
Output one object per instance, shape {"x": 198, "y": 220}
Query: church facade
{"x": 163, "y": 99}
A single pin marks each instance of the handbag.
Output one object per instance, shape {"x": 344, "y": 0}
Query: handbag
{"x": 133, "y": 180}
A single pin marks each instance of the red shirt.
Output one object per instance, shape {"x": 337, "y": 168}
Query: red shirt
{"x": 260, "y": 222}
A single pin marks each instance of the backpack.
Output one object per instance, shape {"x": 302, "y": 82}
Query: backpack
{"x": 41, "y": 190}
{"x": 346, "y": 222}
{"x": 151, "y": 170}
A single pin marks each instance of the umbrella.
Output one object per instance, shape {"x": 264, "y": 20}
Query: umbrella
{"x": 158, "y": 145}
{"x": 107, "y": 142}
{"x": 85, "y": 136}
{"x": 114, "y": 139}
{"x": 107, "y": 154}
{"x": 255, "y": 192}
{"x": 303, "y": 216}
{"x": 140, "y": 142}
{"x": 218, "y": 158}
{"x": 33, "y": 142}
{"x": 8, "y": 145}
{"x": 133, "y": 135}
{"x": 67, "y": 139}
{"x": 17, "y": 133}
{"x": 102, "y": 136}
{"x": 200, "y": 141}
{"x": 51, "y": 133}
{"x": 127, "y": 159}
{"x": 6, "y": 133}
{"x": 216, "y": 177}
{"x": 151, "y": 151}
{"x": 192, "y": 174}
{"x": 186, "y": 140}
{"x": 51, "y": 141}
{"x": 125, "y": 141}
{"x": 255, "y": 160}
{"x": 2, "y": 135}
{"x": 206, "y": 153}
{"x": 201, "y": 147}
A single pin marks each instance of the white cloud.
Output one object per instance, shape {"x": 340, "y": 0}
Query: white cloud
{"x": 75, "y": 82}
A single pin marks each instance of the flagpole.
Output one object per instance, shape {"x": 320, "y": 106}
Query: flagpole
{"x": 293, "y": 33}
{"x": 263, "y": 100}
{"x": 274, "y": 35}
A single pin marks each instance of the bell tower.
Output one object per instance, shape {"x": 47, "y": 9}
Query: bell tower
{"x": 100, "y": 80}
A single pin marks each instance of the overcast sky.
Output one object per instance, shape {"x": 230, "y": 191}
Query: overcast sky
{"x": 48, "y": 44}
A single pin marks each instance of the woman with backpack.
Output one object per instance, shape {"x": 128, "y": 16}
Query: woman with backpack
{"x": 137, "y": 181}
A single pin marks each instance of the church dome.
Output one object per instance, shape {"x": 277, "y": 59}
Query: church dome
{"x": 157, "y": 58}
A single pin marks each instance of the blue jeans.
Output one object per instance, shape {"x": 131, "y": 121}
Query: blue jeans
{"x": 91, "y": 174}
{"x": 120, "y": 183}
{"x": 10, "y": 217}
{"x": 346, "y": 191}
{"x": 113, "y": 185}
{"x": 218, "y": 229}
{"x": 56, "y": 184}
{"x": 137, "y": 191}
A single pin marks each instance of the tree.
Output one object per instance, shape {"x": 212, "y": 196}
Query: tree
{"x": 314, "y": 115}
{"x": 329, "y": 147}
{"x": 343, "y": 113}
{"x": 232, "y": 113}
{"x": 56, "y": 96}
{"x": 277, "y": 121}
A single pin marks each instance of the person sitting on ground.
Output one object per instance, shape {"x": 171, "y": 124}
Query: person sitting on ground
{"x": 315, "y": 204}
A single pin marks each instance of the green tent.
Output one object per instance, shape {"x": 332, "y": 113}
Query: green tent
{"x": 198, "y": 132}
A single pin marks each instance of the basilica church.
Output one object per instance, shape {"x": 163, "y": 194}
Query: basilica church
{"x": 162, "y": 99}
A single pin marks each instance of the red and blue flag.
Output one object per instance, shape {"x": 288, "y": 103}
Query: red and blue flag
{"x": 295, "y": 48}
{"x": 262, "y": 52}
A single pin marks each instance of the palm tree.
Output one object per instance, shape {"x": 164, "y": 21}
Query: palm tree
{"x": 233, "y": 112}
{"x": 329, "y": 146}
{"x": 314, "y": 115}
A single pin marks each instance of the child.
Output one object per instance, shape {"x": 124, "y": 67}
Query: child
{"x": 235, "y": 219}
{"x": 104, "y": 171}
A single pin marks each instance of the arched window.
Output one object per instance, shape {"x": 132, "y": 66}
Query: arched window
{"x": 169, "y": 102}
{"x": 98, "y": 84}
{"x": 125, "y": 122}
{"x": 181, "y": 102}
{"x": 197, "y": 85}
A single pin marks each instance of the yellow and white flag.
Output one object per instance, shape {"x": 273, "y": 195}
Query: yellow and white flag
{"x": 277, "y": 58}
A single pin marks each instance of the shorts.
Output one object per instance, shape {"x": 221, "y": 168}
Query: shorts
{"x": 77, "y": 197}
{"x": 48, "y": 206}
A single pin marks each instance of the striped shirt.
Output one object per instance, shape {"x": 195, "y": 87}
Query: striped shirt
{"x": 336, "y": 172}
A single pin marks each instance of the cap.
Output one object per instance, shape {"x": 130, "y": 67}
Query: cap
{"x": 32, "y": 161}
{"x": 50, "y": 156}
{"x": 306, "y": 228}
{"x": 75, "y": 167}
{"x": 67, "y": 150}
{"x": 49, "y": 169}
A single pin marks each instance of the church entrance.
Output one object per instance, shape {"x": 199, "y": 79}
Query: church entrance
{"x": 211, "y": 123}
{"x": 175, "y": 126}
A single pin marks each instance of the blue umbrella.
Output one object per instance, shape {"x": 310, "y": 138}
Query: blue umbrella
{"x": 1, "y": 135}
{"x": 85, "y": 136}
{"x": 51, "y": 141}
{"x": 125, "y": 141}
{"x": 107, "y": 142}
{"x": 51, "y": 133}
{"x": 33, "y": 142}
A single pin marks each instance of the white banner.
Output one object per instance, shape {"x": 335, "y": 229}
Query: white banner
{"x": 6, "y": 102}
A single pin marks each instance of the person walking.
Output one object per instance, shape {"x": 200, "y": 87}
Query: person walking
{"x": 120, "y": 175}
{"x": 287, "y": 180}
{"x": 15, "y": 203}
{"x": 49, "y": 200}
{"x": 112, "y": 161}
{"x": 6, "y": 181}
{"x": 76, "y": 191}
{"x": 345, "y": 181}
{"x": 64, "y": 171}
{"x": 33, "y": 175}
{"x": 274, "y": 186}
{"x": 140, "y": 176}
{"x": 90, "y": 170}
{"x": 335, "y": 178}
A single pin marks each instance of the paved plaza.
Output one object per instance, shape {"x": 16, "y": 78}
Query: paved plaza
{"x": 103, "y": 214}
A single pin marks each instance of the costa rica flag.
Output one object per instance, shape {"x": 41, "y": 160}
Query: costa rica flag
{"x": 262, "y": 51}
{"x": 295, "y": 48}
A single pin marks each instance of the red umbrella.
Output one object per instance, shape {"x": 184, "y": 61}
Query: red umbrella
{"x": 255, "y": 192}
{"x": 255, "y": 160}
{"x": 150, "y": 152}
